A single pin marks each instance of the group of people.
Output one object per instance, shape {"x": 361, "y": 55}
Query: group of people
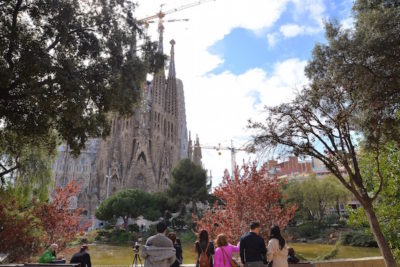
{"x": 165, "y": 251}
{"x": 82, "y": 257}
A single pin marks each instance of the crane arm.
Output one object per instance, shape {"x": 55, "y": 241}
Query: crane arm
{"x": 161, "y": 14}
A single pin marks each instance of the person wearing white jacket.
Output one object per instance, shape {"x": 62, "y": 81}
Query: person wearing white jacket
{"x": 277, "y": 250}
{"x": 159, "y": 250}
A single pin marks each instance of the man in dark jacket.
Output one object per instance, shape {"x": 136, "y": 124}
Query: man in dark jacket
{"x": 82, "y": 257}
{"x": 252, "y": 247}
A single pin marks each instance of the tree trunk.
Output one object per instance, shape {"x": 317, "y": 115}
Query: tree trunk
{"x": 126, "y": 223}
{"x": 380, "y": 239}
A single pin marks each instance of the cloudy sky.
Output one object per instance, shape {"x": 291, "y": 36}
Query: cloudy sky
{"x": 234, "y": 57}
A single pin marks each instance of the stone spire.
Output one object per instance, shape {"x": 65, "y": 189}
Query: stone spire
{"x": 171, "y": 73}
{"x": 190, "y": 147}
{"x": 197, "y": 152}
{"x": 171, "y": 91}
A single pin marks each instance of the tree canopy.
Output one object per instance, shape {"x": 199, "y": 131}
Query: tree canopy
{"x": 314, "y": 196}
{"x": 133, "y": 203}
{"x": 63, "y": 66}
{"x": 189, "y": 183}
{"x": 245, "y": 198}
{"x": 352, "y": 100}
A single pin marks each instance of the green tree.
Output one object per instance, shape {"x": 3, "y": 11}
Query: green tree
{"x": 387, "y": 205}
{"x": 353, "y": 90}
{"x": 189, "y": 184}
{"x": 125, "y": 204}
{"x": 63, "y": 66}
{"x": 314, "y": 196}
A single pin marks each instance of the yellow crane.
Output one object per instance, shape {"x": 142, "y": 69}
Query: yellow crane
{"x": 161, "y": 14}
{"x": 233, "y": 151}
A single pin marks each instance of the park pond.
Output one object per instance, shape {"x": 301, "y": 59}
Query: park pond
{"x": 104, "y": 254}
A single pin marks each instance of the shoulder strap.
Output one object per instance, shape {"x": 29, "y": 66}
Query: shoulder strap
{"x": 206, "y": 247}
{"x": 223, "y": 254}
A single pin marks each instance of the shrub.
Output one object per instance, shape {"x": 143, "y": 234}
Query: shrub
{"x": 133, "y": 228}
{"x": 308, "y": 230}
{"x": 359, "y": 239}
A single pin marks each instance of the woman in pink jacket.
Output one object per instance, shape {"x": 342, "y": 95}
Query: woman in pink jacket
{"x": 224, "y": 251}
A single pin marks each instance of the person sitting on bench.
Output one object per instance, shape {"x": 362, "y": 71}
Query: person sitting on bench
{"x": 82, "y": 257}
{"x": 49, "y": 256}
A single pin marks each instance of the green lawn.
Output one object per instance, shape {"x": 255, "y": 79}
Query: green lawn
{"x": 102, "y": 254}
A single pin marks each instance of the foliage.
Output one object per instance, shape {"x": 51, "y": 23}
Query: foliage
{"x": 359, "y": 239}
{"x": 387, "y": 205}
{"x": 189, "y": 183}
{"x": 348, "y": 76}
{"x": 59, "y": 219}
{"x": 63, "y": 66}
{"x": 116, "y": 236}
{"x": 25, "y": 226}
{"x": 314, "y": 195}
{"x": 308, "y": 230}
{"x": 126, "y": 204}
{"x": 21, "y": 233}
{"x": 247, "y": 197}
{"x": 131, "y": 204}
{"x": 133, "y": 228}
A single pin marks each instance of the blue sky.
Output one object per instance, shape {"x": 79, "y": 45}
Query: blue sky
{"x": 235, "y": 57}
{"x": 242, "y": 49}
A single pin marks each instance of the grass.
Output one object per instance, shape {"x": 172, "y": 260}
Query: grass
{"x": 105, "y": 254}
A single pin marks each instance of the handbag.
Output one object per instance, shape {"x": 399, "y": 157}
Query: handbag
{"x": 232, "y": 262}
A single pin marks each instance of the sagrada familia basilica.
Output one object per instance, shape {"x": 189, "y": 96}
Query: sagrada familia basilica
{"x": 141, "y": 150}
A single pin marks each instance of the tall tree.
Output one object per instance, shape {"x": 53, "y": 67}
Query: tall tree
{"x": 63, "y": 66}
{"x": 354, "y": 89}
{"x": 314, "y": 196}
{"x": 189, "y": 183}
{"x": 245, "y": 198}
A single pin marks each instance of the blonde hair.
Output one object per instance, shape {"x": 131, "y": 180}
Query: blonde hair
{"x": 221, "y": 240}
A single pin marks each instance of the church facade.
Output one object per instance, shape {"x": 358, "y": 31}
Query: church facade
{"x": 140, "y": 151}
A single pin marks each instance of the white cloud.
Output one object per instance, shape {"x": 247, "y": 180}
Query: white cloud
{"x": 292, "y": 30}
{"x": 218, "y": 106}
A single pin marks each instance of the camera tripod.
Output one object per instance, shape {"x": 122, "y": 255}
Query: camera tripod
{"x": 137, "y": 261}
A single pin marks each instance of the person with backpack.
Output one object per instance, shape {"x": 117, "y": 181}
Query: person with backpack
{"x": 277, "y": 248}
{"x": 205, "y": 250}
{"x": 223, "y": 253}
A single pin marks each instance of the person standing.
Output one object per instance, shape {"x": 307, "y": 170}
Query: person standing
{"x": 277, "y": 248}
{"x": 178, "y": 249}
{"x": 159, "y": 250}
{"x": 82, "y": 257}
{"x": 252, "y": 247}
{"x": 205, "y": 250}
{"x": 224, "y": 251}
{"x": 50, "y": 255}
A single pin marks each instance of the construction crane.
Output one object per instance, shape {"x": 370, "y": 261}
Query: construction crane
{"x": 233, "y": 151}
{"x": 161, "y": 14}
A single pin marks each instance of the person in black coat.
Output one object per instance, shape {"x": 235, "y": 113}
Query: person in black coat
{"x": 291, "y": 256}
{"x": 82, "y": 257}
{"x": 178, "y": 249}
{"x": 201, "y": 245}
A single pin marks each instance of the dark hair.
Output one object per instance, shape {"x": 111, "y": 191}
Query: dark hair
{"x": 172, "y": 236}
{"x": 291, "y": 252}
{"x": 276, "y": 233}
{"x": 161, "y": 227}
{"x": 203, "y": 236}
{"x": 221, "y": 240}
{"x": 254, "y": 225}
